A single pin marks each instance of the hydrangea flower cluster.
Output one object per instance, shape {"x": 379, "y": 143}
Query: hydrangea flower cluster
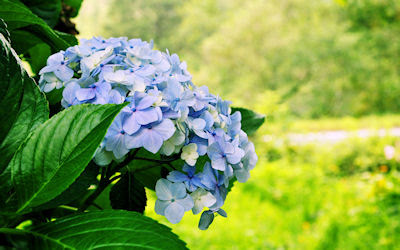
{"x": 166, "y": 114}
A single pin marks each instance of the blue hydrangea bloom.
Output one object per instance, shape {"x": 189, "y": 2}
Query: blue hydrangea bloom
{"x": 172, "y": 200}
{"x": 140, "y": 112}
{"x": 166, "y": 114}
{"x": 223, "y": 153}
{"x": 192, "y": 181}
{"x": 214, "y": 182}
{"x": 59, "y": 66}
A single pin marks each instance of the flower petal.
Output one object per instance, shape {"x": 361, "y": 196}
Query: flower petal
{"x": 160, "y": 206}
{"x": 152, "y": 141}
{"x": 163, "y": 190}
{"x": 174, "y": 212}
{"x": 176, "y": 176}
{"x": 166, "y": 129}
{"x": 178, "y": 190}
{"x": 187, "y": 202}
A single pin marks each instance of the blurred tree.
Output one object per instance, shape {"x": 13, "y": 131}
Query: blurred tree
{"x": 145, "y": 19}
{"x": 318, "y": 58}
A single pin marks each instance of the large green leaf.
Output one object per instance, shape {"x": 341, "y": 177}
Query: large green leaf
{"x": 77, "y": 190}
{"x": 108, "y": 229}
{"x": 71, "y": 39}
{"x": 55, "y": 154}
{"x": 19, "y": 17}
{"x": 37, "y": 56}
{"x": 48, "y": 10}
{"x": 22, "y": 106}
{"x": 128, "y": 194}
{"x": 251, "y": 121}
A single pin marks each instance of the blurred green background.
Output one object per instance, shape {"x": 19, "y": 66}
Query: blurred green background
{"x": 327, "y": 75}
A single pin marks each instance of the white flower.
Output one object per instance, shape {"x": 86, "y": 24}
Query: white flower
{"x": 189, "y": 154}
{"x": 201, "y": 199}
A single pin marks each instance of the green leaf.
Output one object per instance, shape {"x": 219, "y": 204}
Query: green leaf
{"x": 251, "y": 121}
{"x": 77, "y": 189}
{"x": 71, "y": 39}
{"x": 55, "y": 154}
{"x": 23, "y": 40}
{"x": 37, "y": 56}
{"x": 108, "y": 229}
{"x": 48, "y": 10}
{"x": 103, "y": 200}
{"x": 128, "y": 194}
{"x": 19, "y": 17}
{"x": 22, "y": 106}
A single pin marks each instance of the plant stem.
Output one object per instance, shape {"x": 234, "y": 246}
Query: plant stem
{"x": 157, "y": 161}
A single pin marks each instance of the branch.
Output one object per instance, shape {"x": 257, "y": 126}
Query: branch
{"x": 125, "y": 162}
{"x": 166, "y": 161}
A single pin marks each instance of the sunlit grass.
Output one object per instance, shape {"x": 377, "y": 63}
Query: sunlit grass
{"x": 301, "y": 205}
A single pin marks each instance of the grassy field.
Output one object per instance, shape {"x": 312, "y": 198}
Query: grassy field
{"x": 348, "y": 123}
{"x": 341, "y": 196}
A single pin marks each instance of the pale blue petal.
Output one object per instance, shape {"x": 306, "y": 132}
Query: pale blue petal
{"x": 242, "y": 175}
{"x": 178, "y": 190}
{"x": 214, "y": 151}
{"x": 166, "y": 129}
{"x": 191, "y": 170}
{"x": 219, "y": 163}
{"x": 116, "y": 97}
{"x": 153, "y": 140}
{"x": 187, "y": 202}
{"x": 146, "y": 102}
{"x": 160, "y": 206}
{"x": 198, "y": 123}
{"x": 227, "y": 147}
{"x": 85, "y": 94}
{"x": 103, "y": 157}
{"x": 130, "y": 124}
{"x": 55, "y": 59}
{"x": 208, "y": 178}
{"x": 236, "y": 156}
{"x": 64, "y": 73}
{"x": 176, "y": 176}
{"x": 174, "y": 212}
{"x": 70, "y": 91}
{"x": 163, "y": 188}
{"x": 136, "y": 140}
{"x": 146, "y": 116}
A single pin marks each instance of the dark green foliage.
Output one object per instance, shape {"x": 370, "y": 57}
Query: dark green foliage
{"x": 76, "y": 191}
{"x": 19, "y": 17}
{"x": 148, "y": 172}
{"x": 22, "y": 106}
{"x": 48, "y": 10}
{"x": 128, "y": 194}
{"x": 55, "y": 154}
